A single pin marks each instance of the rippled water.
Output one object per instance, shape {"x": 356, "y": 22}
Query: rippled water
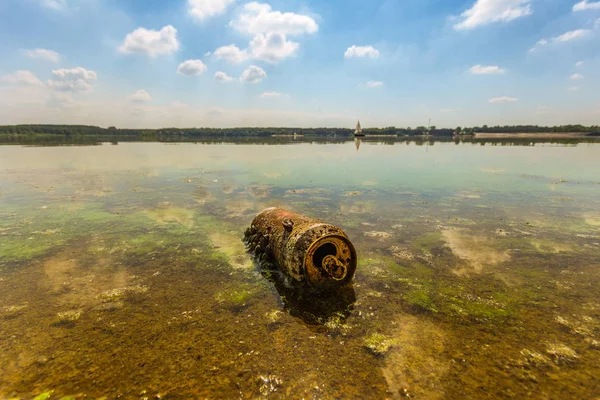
{"x": 123, "y": 272}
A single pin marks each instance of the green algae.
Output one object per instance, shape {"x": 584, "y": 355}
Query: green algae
{"x": 18, "y": 249}
{"x": 477, "y": 310}
{"x": 421, "y": 298}
{"x": 44, "y": 396}
{"x": 169, "y": 214}
{"x": 378, "y": 343}
{"x": 429, "y": 241}
{"x": 235, "y": 297}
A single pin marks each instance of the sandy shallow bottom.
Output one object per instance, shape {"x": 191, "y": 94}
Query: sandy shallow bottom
{"x": 135, "y": 282}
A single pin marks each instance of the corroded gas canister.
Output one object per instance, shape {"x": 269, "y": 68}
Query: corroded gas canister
{"x": 306, "y": 249}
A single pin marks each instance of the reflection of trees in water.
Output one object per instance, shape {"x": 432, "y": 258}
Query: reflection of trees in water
{"x": 54, "y": 140}
{"x": 314, "y": 307}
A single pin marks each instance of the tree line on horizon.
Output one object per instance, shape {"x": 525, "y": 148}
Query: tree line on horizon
{"x": 166, "y": 133}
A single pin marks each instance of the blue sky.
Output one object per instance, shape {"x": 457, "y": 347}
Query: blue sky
{"x": 156, "y": 63}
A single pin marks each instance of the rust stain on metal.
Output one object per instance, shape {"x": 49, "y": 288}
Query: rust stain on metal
{"x": 306, "y": 249}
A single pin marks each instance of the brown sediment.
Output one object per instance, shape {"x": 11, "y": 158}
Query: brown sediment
{"x": 592, "y": 219}
{"x": 259, "y": 191}
{"x": 240, "y": 207}
{"x": 362, "y": 207}
{"x": 202, "y": 195}
{"x": 382, "y": 236}
{"x": 549, "y": 246}
{"x": 477, "y": 251}
{"x": 74, "y": 286}
{"x": 417, "y": 367}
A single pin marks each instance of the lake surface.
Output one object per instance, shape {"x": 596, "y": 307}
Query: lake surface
{"x": 123, "y": 273}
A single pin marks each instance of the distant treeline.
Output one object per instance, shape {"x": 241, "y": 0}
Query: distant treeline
{"x": 169, "y": 133}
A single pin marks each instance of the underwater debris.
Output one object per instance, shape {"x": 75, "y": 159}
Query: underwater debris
{"x": 305, "y": 249}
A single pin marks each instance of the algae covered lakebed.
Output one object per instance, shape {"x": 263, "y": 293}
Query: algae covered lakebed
{"x": 123, "y": 273}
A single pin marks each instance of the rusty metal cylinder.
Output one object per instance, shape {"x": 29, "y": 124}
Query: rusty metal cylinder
{"x": 306, "y": 249}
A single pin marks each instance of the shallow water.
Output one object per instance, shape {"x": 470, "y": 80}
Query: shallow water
{"x": 123, "y": 272}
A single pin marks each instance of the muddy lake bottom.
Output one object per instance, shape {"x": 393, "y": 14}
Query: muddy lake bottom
{"x": 123, "y": 273}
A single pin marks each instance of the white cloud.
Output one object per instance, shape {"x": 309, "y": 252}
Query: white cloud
{"x": 575, "y": 77}
{"x": 374, "y": 84}
{"x": 271, "y": 95}
{"x": 260, "y": 18}
{"x": 151, "y": 42}
{"x": 504, "y": 99}
{"x": 361, "y": 51}
{"x": 21, "y": 78}
{"x": 486, "y": 70}
{"x": 487, "y": 11}
{"x": 55, "y": 4}
{"x": 579, "y": 63}
{"x": 571, "y": 35}
{"x": 272, "y": 47}
{"x": 253, "y": 74}
{"x": 573, "y": 88}
{"x": 204, "y": 9}
{"x": 232, "y": 54}
{"x": 586, "y": 5}
{"x": 72, "y": 80}
{"x": 270, "y": 30}
{"x": 222, "y": 77}
{"x": 43, "y": 54}
{"x": 565, "y": 37}
{"x": 141, "y": 96}
{"x": 191, "y": 68}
